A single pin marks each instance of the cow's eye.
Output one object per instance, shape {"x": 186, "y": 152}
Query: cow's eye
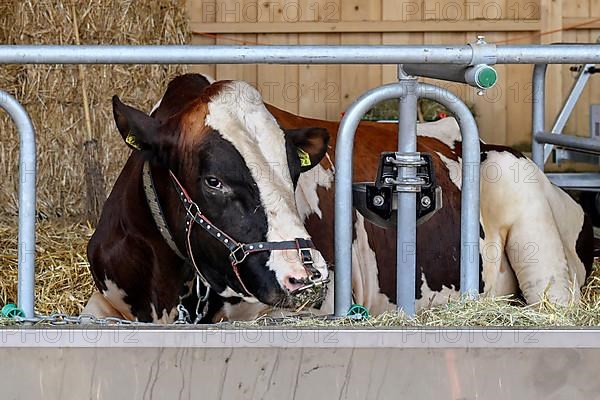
{"x": 213, "y": 182}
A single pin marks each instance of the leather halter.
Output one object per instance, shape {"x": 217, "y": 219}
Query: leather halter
{"x": 238, "y": 251}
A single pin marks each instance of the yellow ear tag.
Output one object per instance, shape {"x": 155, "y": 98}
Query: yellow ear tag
{"x": 132, "y": 141}
{"x": 304, "y": 157}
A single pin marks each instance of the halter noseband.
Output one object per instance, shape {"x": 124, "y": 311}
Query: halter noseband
{"x": 238, "y": 251}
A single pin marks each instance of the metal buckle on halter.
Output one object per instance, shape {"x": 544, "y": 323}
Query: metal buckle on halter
{"x": 233, "y": 256}
{"x": 195, "y": 207}
{"x": 305, "y": 255}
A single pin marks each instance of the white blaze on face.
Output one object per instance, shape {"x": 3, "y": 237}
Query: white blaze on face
{"x": 240, "y": 116}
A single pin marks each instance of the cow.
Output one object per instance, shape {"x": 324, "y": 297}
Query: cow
{"x": 535, "y": 240}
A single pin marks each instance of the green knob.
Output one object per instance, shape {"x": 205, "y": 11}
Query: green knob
{"x": 10, "y": 310}
{"x": 486, "y": 77}
{"x": 357, "y": 311}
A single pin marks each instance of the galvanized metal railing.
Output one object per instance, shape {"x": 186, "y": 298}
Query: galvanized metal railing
{"x": 27, "y": 189}
{"x": 466, "y": 55}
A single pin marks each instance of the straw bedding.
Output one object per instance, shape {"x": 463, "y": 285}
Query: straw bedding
{"x": 63, "y": 284}
{"x": 54, "y": 95}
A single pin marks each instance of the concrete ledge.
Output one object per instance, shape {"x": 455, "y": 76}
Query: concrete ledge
{"x": 191, "y": 337}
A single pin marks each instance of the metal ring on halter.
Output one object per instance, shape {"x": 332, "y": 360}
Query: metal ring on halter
{"x": 233, "y": 255}
{"x": 189, "y": 208}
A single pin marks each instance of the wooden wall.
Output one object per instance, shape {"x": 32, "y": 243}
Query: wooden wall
{"x": 324, "y": 91}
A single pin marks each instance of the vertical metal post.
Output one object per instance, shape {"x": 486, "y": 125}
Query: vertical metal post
{"x": 538, "y": 98}
{"x": 406, "y": 235}
{"x": 469, "y": 263}
{"x": 469, "y": 208}
{"x": 343, "y": 190}
{"x": 27, "y": 177}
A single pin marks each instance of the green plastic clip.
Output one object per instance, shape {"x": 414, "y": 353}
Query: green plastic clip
{"x": 357, "y": 311}
{"x": 10, "y": 310}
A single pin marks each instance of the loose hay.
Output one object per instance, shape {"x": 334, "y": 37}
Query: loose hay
{"x": 52, "y": 94}
{"x": 64, "y": 283}
{"x": 63, "y": 279}
{"x": 53, "y": 97}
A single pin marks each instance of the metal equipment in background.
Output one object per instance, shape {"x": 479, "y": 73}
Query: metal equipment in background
{"x": 546, "y": 143}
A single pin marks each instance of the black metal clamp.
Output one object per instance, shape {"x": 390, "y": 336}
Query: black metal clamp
{"x": 376, "y": 201}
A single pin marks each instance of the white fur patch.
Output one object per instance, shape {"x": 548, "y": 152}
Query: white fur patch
{"x": 240, "y": 116}
{"x": 454, "y": 169}
{"x": 155, "y": 106}
{"x": 165, "y": 318}
{"x": 365, "y": 280}
{"x": 307, "y": 198}
{"x": 446, "y": 130}
{"x": 116, "y": 296}
{"x": 431, "y": 297}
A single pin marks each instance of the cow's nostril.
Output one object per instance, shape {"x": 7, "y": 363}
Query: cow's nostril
{"x": 292, "y": 283}
{"x": 315, "y": 274}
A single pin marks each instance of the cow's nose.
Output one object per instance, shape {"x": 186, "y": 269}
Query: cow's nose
{"x": 292, "y": 282}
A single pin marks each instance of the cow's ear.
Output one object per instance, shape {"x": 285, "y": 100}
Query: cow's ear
{"x": 139, "y": 131}
{"x": 310, "y": 143}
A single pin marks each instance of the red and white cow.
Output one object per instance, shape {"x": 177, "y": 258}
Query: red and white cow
{"x": 535, "y": 239}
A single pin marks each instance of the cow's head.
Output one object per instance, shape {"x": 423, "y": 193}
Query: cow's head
{"x": 241, "y": 168}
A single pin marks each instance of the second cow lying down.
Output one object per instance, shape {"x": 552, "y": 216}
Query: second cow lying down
{"x": 214, "y": 154}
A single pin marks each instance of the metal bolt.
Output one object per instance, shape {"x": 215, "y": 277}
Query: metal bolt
{"x": 378, "y": 201}
{"x": 425, "y": 201}
{"x": 480, "y": 39}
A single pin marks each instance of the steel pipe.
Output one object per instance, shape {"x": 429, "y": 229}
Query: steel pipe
{"x": 469, "y": 207}
{"x": 538, "y": 110}
{"x": 296, "y": 54}
{"x": 343, "y": 189}
{"x": 27, "y": 189}
{"x": 406, "y": 234}
{"x": 469, "y": 263}
{"x": 569, "y": 141}
{"x": 548, "y": 54}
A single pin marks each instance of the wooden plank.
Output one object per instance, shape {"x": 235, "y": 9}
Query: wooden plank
{"x": 319, "y": 84}
{"x": 551, "y": 21}
{"x": 581, "y": 22}
{"x": 356, "y": 79}
{"x": 231, "y": 11}
{"x": 403, "y": 11}
{"x": 490, "y": 107}
{"x": 365, "y": 26}
{"x": 582, "y": 110}
{"x": 573, "y": 8}
{"x": 279, "y": 84}
{"x": 517, "y": 95}
{"x": 202, "y": 10}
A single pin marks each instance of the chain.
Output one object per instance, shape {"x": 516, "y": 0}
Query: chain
{"x": 59, "y": 319}
{"x": 83, "y": 319}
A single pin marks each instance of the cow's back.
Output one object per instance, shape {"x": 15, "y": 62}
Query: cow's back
{"x": 438, "y": 239}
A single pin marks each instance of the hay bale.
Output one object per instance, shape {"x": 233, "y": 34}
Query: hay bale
{"x": 52, "y": 94}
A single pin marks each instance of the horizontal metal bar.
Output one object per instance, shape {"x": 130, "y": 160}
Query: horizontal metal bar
{"x": 576, "y": 180}
{"x": 409, "y": 337}
{"x": 549, "y": 54}
{"x": 292, "y": 54}
{"x": 569, "y": 141}
{"x": 298, "y": 54}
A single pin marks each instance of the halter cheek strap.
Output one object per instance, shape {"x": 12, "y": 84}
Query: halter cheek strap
{"x": 238, "y": 251}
